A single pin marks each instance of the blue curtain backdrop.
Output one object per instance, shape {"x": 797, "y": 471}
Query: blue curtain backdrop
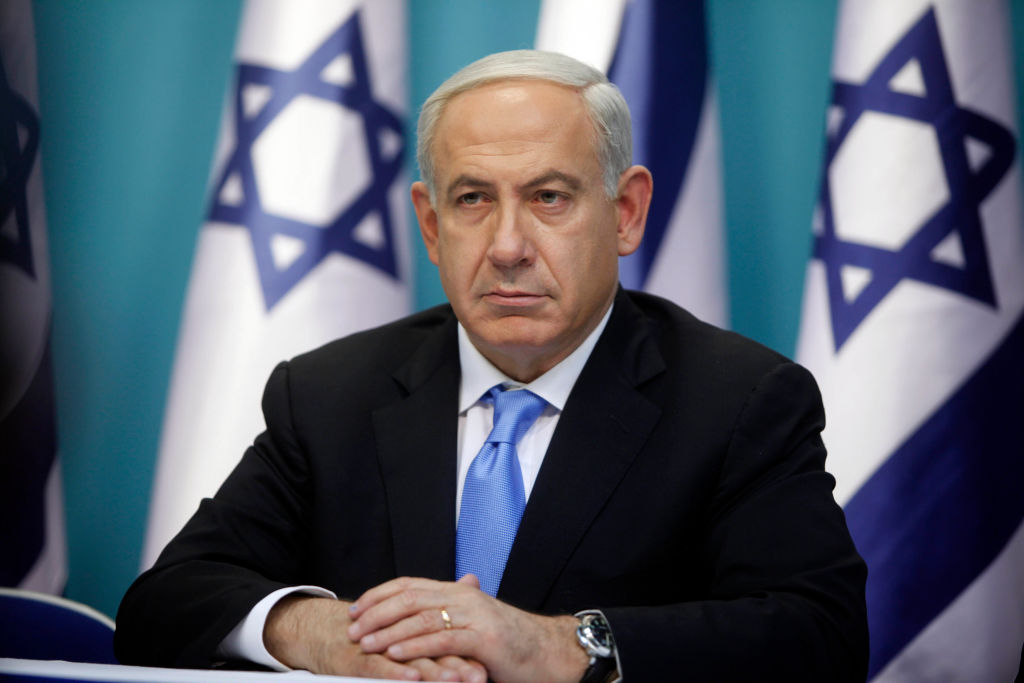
{"x": 130, "y": 98}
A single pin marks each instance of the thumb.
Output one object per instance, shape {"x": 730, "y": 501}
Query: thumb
{"x": 470, "y": 580}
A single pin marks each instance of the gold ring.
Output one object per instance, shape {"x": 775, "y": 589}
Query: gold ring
{"x": 447, "y": 619}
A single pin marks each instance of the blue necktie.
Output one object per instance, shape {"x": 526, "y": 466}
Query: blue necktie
{"x": 493, "y": 498}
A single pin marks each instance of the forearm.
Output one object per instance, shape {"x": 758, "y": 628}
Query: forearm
{"x": 177, "y": 616}
{"x": 241, "y": 545}
{"x": 246, "y": 640}
{"x": 292, "y": 633}
{"x": 767, "y": 638}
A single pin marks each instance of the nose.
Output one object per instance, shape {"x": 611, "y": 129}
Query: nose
{"x": 511, "y": 246}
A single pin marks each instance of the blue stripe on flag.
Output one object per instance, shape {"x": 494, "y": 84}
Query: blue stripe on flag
{"x": 28, "y": 448}
{"x": 661, "y": 67}
{"x": 944, "y": 504}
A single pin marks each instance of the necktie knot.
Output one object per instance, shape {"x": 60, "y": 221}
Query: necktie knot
{"x": 515, "y": 411}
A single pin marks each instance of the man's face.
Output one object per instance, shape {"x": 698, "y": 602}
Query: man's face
{"x": 525, "y": 238}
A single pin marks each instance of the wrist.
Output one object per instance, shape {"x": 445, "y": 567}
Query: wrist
{"x": 572, "y": 660}
{"x": 289, "y": 632}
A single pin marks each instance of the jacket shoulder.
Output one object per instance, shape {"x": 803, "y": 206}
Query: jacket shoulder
{"x": 686, "y": 340}
{"x": 374, "y": 351}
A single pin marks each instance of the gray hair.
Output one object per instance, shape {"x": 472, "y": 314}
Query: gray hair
{"x": 603, "y": 102}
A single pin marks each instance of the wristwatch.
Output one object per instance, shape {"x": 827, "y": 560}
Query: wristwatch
{"x": 595, "y": 637}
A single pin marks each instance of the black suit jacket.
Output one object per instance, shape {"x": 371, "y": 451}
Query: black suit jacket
{"x": 683, "y": 493}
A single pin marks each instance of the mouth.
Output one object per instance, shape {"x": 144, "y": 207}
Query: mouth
{"x": 513, "y": 298}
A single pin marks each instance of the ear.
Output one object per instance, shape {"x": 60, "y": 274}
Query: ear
{"x": 427, "y": 218}
{"x": 635, "y": 188}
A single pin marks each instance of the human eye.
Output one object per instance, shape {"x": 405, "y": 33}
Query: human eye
{"x": 550, "y": 197}
{"x": 471, "y": 198}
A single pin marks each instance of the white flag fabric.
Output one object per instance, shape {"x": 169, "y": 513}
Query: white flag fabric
{"x": 656, "y": 52}
{"x": 912, "y": 324}
{"x": 33, "y": 551}
{"x": 307, "y": 233}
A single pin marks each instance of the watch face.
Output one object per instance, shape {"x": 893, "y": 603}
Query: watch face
{"x": 600, "y": 631}
{"x": 596, "y": 636}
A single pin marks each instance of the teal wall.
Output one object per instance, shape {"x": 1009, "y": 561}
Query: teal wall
{"x": 131, "y": 93}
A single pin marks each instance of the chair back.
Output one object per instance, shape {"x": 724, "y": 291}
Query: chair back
{"x": 39, "y": 626}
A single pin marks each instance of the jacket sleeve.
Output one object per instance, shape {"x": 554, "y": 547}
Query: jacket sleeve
{"x": 786, "y": 589}
{"x": 242, "y": 544}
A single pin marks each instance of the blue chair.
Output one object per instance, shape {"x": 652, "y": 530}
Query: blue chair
{"x": 39, "y": 626}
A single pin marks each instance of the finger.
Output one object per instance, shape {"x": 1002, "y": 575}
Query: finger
{"x": 420, "y": 623}
{"x": 460, "y": 642}
{"x": 469, "y": 579}
{"x": 387, "y": 590}
{"x": 434, "y": 671}
{"x": 376, "y": 594}
{"x": 376, "y": 666}
{"x": 404, "y": 605}
{"x": 428, "y": 597}
{"x": 469, "y": 670}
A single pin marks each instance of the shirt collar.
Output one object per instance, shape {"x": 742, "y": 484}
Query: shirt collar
{"x": 554, "y": 386}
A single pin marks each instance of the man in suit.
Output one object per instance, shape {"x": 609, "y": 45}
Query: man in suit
{"x": 678, "y": 521}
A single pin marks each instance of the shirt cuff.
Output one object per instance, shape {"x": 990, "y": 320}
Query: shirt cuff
{"x": 246, "y": 640}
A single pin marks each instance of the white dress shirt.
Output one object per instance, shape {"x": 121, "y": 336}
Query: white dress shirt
{"x": 475, "y": 421}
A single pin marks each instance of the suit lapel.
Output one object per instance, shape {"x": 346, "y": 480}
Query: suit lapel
{"x": 604, "y": 425}
{"x": 416, "y": 441}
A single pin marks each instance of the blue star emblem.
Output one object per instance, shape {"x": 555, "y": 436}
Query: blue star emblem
{"x": 338, "y": 233}
{"x": 954, "y": 126}
{"x": 17, "y": 156}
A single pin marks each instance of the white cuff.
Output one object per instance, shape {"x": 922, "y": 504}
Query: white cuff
{"x": 246, "y": 640}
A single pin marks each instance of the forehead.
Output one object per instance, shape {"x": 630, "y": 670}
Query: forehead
{"x": 513, "y": 117}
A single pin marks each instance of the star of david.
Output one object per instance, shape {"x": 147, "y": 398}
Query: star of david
{"x": 954, "y": 126}
{"x": 17, "y": 156}
{"x": 339, "y": 234}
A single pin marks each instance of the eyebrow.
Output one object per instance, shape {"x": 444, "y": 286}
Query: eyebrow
{"x": 465, "y": 180}
{"x": 571, "y": 181}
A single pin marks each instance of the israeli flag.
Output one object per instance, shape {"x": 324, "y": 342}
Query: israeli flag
{"x": 307, "y": 234}
{"x": 913, "y": 326}
{"x": 33, "y": 550}
{"x": 656, "y": 52}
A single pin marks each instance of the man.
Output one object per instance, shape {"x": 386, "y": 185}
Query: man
{"x": 673, "y": 472}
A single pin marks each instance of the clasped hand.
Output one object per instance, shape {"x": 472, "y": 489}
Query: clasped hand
{"x": 397, "y": 630}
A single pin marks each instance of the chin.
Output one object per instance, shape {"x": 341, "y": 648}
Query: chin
{"x": 512, "y": 334}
